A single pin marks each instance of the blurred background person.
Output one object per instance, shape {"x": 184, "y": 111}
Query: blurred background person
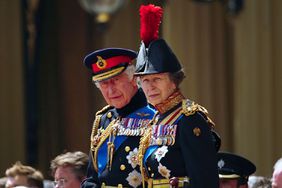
{"x": 234, "y": 170}
{"x": 277, "y": 174}
{"x": 69, "y": 169}
{"x": 259, "y": 182}
{"x": 3, "y": 182}
{"x": 22, "y": 175}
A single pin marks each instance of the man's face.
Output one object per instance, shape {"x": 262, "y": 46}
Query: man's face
{"x": 230, "y": 183}
{"x": 119, "y": 90}
{"x": 17, "y": 180}
{"x": 65, "y": 178}
{"x": 157, "y": 87}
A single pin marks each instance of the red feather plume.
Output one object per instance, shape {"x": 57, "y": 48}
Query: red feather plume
{"x": 150, "y": 18}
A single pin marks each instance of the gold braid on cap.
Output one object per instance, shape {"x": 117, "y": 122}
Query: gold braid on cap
{"x": 143, "y": 145}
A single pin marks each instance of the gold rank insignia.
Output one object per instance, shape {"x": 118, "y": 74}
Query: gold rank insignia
{"x": 197, "y": 131}
{"x": 101, "y": 63}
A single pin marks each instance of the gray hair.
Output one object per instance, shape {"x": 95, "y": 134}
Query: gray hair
{"x": 278, "y": 164}
{"x": 129, "y": 71}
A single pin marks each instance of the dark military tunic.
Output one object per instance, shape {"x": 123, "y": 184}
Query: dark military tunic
{"x": 114, "y": 144}
{"x": 180, "y": 144}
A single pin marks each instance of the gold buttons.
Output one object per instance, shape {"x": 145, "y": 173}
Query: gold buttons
{"x": 152, "y": 175}
{"x": 149, "y": 169}
{"x": 127, "y": 148}
{"x": 109, "y": 115}
{"x": 122, "y": 167}
{"x": 197, "y": 131}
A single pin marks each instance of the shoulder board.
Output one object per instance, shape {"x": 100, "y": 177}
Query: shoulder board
{"x": 103, "y": 110}
{"x": 190, "y": 107}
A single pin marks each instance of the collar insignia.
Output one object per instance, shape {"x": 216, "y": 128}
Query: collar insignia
{"x": 170, "y": 102}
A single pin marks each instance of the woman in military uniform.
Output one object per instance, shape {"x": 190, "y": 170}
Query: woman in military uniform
{"x": 178, "y": 148}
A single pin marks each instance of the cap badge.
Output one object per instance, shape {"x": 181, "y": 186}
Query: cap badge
{"x": 220, "y": 163}
{"x": 101, "y": 63}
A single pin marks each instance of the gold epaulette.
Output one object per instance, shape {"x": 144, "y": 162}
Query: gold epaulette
{"x": 190, "y": 107}
{"x": 103, "y": 110}
{"x": 95, "y": 126}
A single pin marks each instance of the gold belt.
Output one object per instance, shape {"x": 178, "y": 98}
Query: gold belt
{"x": 166, "y": 183}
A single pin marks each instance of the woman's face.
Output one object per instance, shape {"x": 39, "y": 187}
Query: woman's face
{"x": 157, "y": 87}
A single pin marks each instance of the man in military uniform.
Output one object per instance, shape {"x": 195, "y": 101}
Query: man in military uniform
{"x": 234, "y": 170}
{"x": 117, "y": 127}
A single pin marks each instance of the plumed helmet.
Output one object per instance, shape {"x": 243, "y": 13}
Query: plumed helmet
{"x": 155, "y": 55}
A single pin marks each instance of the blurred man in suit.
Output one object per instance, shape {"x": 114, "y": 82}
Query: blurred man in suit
{"x": 277, "y": 174}
{"x": 234, "y": 170}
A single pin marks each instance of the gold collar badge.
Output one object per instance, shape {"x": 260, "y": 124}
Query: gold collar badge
{"x": 101, "y": 63}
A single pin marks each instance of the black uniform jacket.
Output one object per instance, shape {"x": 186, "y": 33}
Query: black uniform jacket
{"x": 121, "y": 167}
{"x": 181, "y": 145}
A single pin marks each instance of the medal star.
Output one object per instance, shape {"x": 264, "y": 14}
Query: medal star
{"x": 134, "y": 179}
{"x": 132, "y": 158}
{"x": 160, "y": 153}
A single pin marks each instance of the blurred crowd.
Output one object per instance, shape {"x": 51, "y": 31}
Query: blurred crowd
{"x": 68, "y": 170}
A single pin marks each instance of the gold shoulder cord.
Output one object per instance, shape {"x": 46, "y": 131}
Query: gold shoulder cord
{"x": 93, "y": 140}
{"x": 106, "y": 133}
{"x": 143, "y": 145}
{"x": 94, "y": 131}
{"x": 190, "y": 108}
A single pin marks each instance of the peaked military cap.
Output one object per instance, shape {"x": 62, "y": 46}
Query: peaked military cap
{"x": 232, "y": 166}
{"x": 109, "y": 62}
{"x": 155, "y": 55}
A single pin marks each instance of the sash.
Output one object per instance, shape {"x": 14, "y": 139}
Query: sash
{"x": 102, "y": 161}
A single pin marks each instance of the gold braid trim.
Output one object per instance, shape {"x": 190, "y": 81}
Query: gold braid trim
{"x": 106, "y": 133}
{"x": 143, "y": 145}
{"x": 94, "y": 132}
{"x": 190, "y": 108}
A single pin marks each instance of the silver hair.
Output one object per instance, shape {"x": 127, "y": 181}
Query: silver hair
{"x": 278, "y": 164}
{"x": 129, "y": 71}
